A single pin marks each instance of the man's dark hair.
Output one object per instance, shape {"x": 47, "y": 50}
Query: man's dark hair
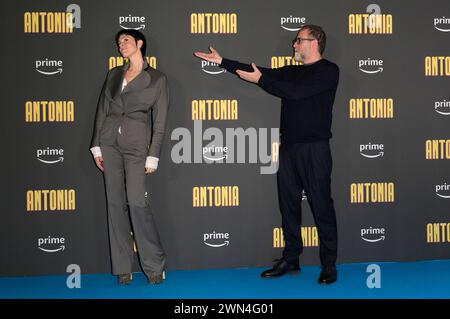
{"x": 317, "y": 33}
{"x": 137, "y": 35}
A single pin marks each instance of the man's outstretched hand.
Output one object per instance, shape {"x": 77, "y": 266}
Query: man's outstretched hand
{"x": 250, "y": 76}
{"x": 214, "y": 56}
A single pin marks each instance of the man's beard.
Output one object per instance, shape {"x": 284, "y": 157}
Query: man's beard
{"x": 297, "y": 57}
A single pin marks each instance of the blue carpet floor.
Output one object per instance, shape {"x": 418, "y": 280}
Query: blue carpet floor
{"x": 425, "y": 279}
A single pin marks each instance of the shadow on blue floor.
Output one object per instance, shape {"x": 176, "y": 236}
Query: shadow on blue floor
{"x": 425, "y": 279}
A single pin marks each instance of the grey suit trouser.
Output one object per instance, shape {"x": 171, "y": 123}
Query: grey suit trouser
{"x": 126, "y": 188}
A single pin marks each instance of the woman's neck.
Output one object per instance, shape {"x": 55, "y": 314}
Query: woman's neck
{"x": 136, "y": 63}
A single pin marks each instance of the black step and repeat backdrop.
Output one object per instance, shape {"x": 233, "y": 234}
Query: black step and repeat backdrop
{"x": 214, "y": 193}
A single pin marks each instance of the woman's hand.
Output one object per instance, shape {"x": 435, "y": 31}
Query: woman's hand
{"x": 99, "y": 163}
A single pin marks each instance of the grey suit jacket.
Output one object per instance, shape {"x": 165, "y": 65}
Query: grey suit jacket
{"x": 140, "y": 110}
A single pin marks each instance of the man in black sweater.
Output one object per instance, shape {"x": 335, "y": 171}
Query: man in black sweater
{"x": 307, "y": 95}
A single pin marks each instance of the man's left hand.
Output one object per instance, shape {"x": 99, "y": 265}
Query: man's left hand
{"x": 250, "y": 76}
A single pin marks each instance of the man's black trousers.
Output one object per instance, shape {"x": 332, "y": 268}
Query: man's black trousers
{"x": 307, "y": 166}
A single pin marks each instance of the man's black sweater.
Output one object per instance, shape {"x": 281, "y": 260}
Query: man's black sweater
{"x": 307, "y": 95}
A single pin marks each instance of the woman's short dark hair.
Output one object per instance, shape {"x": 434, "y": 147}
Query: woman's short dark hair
{"x": 317, "y": 33}
{"x": 137, "y": 35}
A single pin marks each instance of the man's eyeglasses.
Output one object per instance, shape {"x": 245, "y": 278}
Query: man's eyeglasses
{"x": 298, "y": 40}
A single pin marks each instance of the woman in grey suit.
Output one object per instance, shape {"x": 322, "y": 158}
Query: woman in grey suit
{"x": 129, "y": 128}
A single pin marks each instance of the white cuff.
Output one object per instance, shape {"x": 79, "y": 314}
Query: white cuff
{"x": 96, "y": 151}
{"x": 151, "y": 162}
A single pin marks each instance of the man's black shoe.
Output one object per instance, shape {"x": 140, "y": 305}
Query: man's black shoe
{"x": 328, "y": 275}
{"x": 280, "y": 268}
